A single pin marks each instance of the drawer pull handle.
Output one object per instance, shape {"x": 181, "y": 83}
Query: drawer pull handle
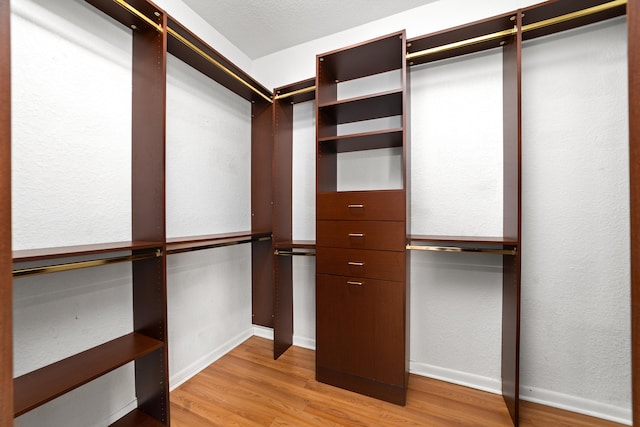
{"x": 356, "y": 234}
{"x": 356, "y": 264}
{"x": 351, "y": 282}
{"x": 355, "y": 206}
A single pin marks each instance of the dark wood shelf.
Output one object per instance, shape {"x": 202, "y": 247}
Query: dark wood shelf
{"x": 459, "y": 34}
{"x": 356, "y": 61}
{"x": 137, "y": 418}
{"x": 386, "y": 138}
{"x": 295, "y": 244}
{"x": 187, "y": 244}
{"x": 374, "y": 106}
{"x": 45, "y": 384}
{"x": 126, "y": 18}
{"x": 481, "y": 240}
{"x": 307, "y": 95}
{"x": 553, "y": 9}
{"x": 69, "y": 251}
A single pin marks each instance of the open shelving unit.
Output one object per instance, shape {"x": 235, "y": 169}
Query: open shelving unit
{"x": 362, "y": 286}
{"x": 154, "y": 35}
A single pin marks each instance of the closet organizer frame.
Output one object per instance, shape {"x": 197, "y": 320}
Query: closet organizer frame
{"x": 149, "y": 45}
{"x": 192, "y": 50}
{"x": 507, "y": 31}
{"x": 146, "y": 346}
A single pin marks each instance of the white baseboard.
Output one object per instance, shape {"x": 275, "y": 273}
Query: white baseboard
{"x": 122, "y": 412}
{"x": 262, "y": 332}
{"x": 576, "y": 404}
{"x": 456, "y": 377}
{"x": 304, "y": 342}
{"x": 185, "y": 374}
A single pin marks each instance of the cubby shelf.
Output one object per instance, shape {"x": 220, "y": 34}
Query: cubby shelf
{"x": 362, "y": 141}
{"x": 374, "y": 106}
{"x": 40, "y": 386}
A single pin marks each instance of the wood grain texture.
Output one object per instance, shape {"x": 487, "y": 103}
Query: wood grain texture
{"x": 6, "y": 279}
{"x": 633, "y": 24}
{"x": 247, "y": 387}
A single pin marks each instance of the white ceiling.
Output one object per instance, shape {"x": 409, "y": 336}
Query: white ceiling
{"x": 261, "y": 27}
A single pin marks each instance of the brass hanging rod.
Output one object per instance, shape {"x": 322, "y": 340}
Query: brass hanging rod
{"x": 459, "y": 249}
{"x": 33, "y": 271}
{"x": 139, "y": 14}
{"x": 514, "y": 30}
{"x": 203, "y": 54}
{"x": 190, "y": 45}
{"x": 213, "y": 245}
{"x": 292, "y": 253}
{"x": 295, "y": 92}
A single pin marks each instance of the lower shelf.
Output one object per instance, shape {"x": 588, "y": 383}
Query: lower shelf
{"x": 137, "y": 418}
{"x": 45, "y": 384}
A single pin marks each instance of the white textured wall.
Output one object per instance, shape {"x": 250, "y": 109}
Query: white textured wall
{"x": 71, "y": 81}
{"x": 575, "y": 273}
{"x": 208, "y": 192}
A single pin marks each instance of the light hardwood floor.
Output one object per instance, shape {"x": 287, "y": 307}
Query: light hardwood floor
{"x": 247, "y": 387}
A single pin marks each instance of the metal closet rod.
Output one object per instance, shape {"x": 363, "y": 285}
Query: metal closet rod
{"x": 293, "y": 253}
{"x": 214, "y": 245}
{"x": 191, "y": 46}
{"x": 529, "y": 27}
{"x": 34, "y": 271}
{"x": 295, "y": 92}
{"x": 460, "y": 249}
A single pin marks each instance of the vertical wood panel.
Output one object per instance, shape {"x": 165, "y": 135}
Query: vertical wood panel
{"x": 633, "y": 23}
{"x": 512, "y": 55}
{"x": 282, "y": 224}
{"x": 261, "y": 215}
{"x": 148, "y": 214}
{"x": 6, "y": 281}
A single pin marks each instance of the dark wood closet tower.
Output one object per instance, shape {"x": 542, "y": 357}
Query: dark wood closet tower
{"x": 361, "y": 260}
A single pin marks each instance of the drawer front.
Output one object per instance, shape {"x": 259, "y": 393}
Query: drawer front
{"x": 383, "y": 265}
{"x": 380, "y": 235}
{"x": 362, "y": 205}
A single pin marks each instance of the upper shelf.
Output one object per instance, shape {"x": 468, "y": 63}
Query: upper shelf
{"x": 364, "y": 59}
{"x": 186, "y": 46}
{"x": 362, "y": 141}
{"x": 294, "y": 93}
{"x": 560, "y": 15}
{"x": 453, "y": 42}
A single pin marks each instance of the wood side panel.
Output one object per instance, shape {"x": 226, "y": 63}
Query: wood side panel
{"x": 511, "y": 222}
{"x": 633, "y": 23}
{"x": 282, "y": 170}
{"x": 283, "y": 306}
{"x": 148, "y": 214}
{"x": 282, "y": 225}
{"x": 6, "y": 279}
{"x": 261, "y": 166}
{"x": 262, "y": 292}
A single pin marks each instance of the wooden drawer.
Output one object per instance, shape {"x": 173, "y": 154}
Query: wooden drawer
{"x": 383, "y": 265}
{"x": 362, "y": 205}
{"x": 381, "y": 235}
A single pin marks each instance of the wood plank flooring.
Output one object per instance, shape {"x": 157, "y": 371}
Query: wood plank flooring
{"x": 247, "y": 387}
